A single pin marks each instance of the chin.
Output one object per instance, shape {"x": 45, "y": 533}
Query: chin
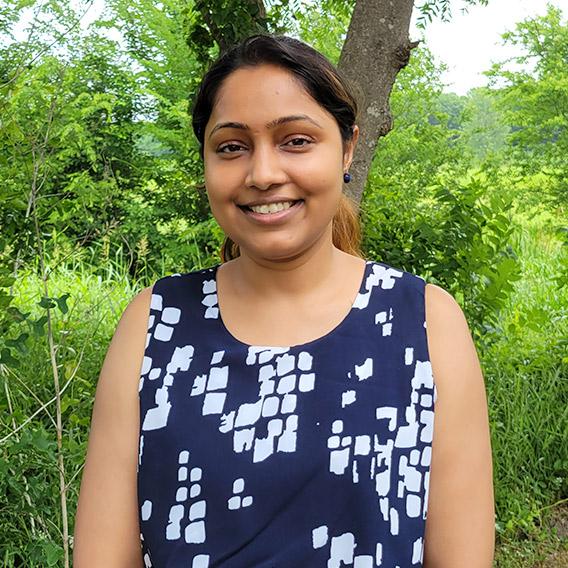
{"x": 273, "y": 256}
{"x": 277, "y": 252}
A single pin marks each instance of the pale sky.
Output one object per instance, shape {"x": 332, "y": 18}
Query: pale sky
{"x": 469, "y": 43}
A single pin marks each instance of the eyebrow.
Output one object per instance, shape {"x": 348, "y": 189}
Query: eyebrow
{"x": 269, "y": 125}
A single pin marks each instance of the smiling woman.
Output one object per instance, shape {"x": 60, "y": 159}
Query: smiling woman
{"x": 318, "y": 134}
{"x": 297, "y": 404}
{"x": 297, "y": 158}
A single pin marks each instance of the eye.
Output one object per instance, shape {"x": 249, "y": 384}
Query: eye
{"x": 221, "y": 149}
{"x": 233, "y": 147}
{"x": 306, "y": 140}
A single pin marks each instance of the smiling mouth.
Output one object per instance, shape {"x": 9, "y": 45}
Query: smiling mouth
{"x": 271, "y": 208}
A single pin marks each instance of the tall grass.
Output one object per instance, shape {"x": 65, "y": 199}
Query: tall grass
{"x": 526, "y": 373}
{"x": 31, "y": 517}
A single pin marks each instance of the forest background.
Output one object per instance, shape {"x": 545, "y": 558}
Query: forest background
{"x": 101, "y": 192}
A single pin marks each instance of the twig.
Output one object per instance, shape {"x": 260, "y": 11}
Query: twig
{"x": 19, "y": 70}
{"x": 32, "y": 393}
{"x": 39, "y": 163}
{"x": 40, "y": 409}
{"x": 75, "y": 475}
{"x": 561, "y": 502}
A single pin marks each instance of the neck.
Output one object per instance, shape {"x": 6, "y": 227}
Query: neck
{"x": 300, "y": 277}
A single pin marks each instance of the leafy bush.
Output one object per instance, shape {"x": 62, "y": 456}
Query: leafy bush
{"x": 457, "y": 234}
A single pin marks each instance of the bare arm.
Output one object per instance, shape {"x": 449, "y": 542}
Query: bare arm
{"x": 460, "y": 522}
{"x": 107, "y": 533}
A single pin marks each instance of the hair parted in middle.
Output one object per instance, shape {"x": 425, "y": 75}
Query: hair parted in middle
{"x": 321, "y": 81}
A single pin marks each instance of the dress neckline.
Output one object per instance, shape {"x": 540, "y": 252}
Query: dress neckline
{"x": 325, "y": 336}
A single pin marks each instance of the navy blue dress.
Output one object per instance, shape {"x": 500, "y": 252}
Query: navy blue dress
{"x": 315, "y": 455}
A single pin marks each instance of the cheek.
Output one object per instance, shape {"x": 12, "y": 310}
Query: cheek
{"x": 223, "y": 176}
{"x": 217, "y": 186}
{"x": 320, "y": 173}
{"x": 321, "y": 184}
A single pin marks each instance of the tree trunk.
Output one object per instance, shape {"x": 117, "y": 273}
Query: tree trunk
{"x": 377, "y": 47}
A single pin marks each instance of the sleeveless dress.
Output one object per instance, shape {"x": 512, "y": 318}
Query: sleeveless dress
{"x": 314, "y": 455}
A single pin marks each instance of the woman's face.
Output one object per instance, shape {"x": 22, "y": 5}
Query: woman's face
{"x": 268, "y": 141}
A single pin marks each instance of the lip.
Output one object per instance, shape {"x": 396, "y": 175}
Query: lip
{"x": 273, "y": 218}
{"x": 268, "y": 201}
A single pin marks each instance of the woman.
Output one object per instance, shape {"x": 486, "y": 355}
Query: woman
{"x": 287, "y": 407}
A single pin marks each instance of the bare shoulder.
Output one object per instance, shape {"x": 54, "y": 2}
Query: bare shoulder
{"x": 141, "y": 300}
{"x": 450, "y": 341}
{"x": 126, "y": 348}
{"x": 442, "y": 311}
{"x": 136, "y": 311}
{"x": 106, "y": 527}
{"x": 460, "y": 520}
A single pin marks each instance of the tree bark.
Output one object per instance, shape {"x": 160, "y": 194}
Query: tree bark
{"x": 377, "y": 47}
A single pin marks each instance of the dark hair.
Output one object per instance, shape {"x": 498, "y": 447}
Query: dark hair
{"x": 322, "y": 82}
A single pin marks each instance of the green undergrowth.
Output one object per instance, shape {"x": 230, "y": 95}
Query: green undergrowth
{"x": 545, "y": 548}
{"x": 526, "y": 373}
{"x": 30, "y": 523}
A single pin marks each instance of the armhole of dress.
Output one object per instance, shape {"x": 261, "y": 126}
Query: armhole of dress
{"x": 150, "y": 321}
{"x": 146, "y": 362}
{"x": 422, "y": 317}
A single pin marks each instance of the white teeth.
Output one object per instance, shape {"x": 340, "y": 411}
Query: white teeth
{"x": 272, "y": 207}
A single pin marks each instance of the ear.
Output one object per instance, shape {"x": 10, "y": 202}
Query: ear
{"x": 350, "y": 148}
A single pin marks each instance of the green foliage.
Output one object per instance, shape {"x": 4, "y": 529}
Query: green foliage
{"x": 67, "y": 143}
{"x": 324, "y": 24}
{"x": 427, "y": 209}
{"x": 484, "y": 133}
{"x": 422, "y": 140}
{"x": 432, "y": 9}
{"x": 89, "y": 306}
{"x": 535, "y": 99}
{"x": 527, "y": 378}
{"x": 457, "y": 236}
{"x": 226, "y": 22}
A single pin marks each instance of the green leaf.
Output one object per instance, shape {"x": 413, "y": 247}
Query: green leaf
{"x": 7, "y": 359}
{"x": 38, "y": 326}
{"x": 46, "y": 302}
{"x": 16, "y": 315}
{"x": 5, "y": 299}
{"x": 19, "y": 343}
{"x": 62, "y": 303}
{"x": 53, "y": 553}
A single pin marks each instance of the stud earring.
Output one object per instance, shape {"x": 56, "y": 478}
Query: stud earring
{"x": 346, "y": 177}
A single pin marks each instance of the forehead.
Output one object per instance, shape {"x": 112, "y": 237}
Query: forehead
{"x": 257, "y": 94}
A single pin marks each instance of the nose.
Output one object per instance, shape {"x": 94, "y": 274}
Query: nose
{"x": 265, "y": 168}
